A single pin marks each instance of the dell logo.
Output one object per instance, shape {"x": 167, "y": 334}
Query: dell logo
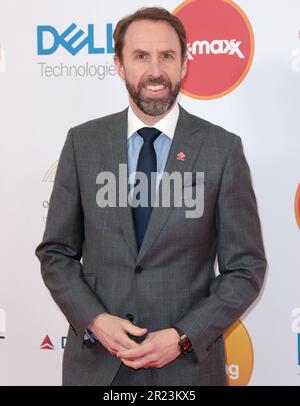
{"x": 71, "y": 36}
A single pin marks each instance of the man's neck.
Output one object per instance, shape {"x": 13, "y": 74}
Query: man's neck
{"x": 146, "y": 118}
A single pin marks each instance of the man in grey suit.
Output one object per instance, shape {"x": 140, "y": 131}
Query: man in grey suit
{"x": 137, "y": 283}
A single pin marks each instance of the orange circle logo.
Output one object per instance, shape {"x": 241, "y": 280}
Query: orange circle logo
{"x": 220, "y": 47}
{"x": 239, "y": 355}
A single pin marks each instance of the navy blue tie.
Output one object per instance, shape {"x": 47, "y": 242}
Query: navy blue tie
{"x": 147, "y": 163}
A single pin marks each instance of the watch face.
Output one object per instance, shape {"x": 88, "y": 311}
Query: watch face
{"x": 185, "y": 345}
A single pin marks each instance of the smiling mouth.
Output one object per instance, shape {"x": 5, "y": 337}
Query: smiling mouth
{"x": 155, "y": 89}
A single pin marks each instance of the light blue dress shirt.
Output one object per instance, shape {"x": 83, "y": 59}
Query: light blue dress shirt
{"x": 162, "y": 144}
{"x": 162, "y": 147}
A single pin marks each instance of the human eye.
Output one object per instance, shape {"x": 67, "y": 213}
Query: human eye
{"x": 167, "y": 56}
{"x": 140, "y": 56}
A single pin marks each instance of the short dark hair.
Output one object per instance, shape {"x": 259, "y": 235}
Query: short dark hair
{"x": 152, "y": 14}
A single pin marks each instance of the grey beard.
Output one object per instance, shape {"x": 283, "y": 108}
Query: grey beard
{"x": 150, "y": 106}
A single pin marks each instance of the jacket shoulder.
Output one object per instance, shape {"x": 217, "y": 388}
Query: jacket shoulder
{"x": 211, "y": 131}
{"x": 95, "y": 124}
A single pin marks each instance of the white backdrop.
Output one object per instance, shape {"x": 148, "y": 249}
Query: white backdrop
{"x": 35, "y": 113}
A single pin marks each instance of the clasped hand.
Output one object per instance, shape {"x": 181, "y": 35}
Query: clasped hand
{"x": 158, "y": 349}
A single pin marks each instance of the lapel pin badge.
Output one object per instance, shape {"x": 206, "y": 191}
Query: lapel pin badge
{"x": 181, "y": 156}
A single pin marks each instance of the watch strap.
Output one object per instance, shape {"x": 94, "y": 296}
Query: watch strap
{"x": 180, "y": 333}
{"x": 184, "y": 342}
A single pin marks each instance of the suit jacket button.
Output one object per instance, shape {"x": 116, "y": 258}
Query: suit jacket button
{"x": 138, "y": 269}
{"x": 130, "y": 317}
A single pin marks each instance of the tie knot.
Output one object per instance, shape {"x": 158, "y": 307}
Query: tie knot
{"x": 149, "y": 134}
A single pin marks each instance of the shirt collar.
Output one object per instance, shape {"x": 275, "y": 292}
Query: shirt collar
{"x": 166, "y": 125}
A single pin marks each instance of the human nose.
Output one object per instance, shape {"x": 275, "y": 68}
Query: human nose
{"x": 155, "y": 68}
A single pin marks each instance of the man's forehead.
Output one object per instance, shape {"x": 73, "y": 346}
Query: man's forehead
{"x": 143, "y": 35}
{"x": 153, "y": 47}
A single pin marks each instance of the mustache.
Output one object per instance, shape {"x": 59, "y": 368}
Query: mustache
{"x": 155, "y": 81}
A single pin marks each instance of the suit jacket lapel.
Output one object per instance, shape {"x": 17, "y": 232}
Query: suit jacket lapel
{"x": 187, "y": 139}
{"x": 118, "y": 155}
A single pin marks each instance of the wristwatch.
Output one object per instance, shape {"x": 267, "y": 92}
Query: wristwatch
{"x": 184, "y": 343}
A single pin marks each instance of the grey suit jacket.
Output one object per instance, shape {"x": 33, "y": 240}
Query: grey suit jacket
{"x": 90, "y": 264}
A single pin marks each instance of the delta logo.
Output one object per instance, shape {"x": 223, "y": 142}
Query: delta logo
{"x": 47, "y": 344}
{"x": 220, "y": 47}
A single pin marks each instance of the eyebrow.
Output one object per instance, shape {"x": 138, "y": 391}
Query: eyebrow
{"x": 141, "y": 51}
